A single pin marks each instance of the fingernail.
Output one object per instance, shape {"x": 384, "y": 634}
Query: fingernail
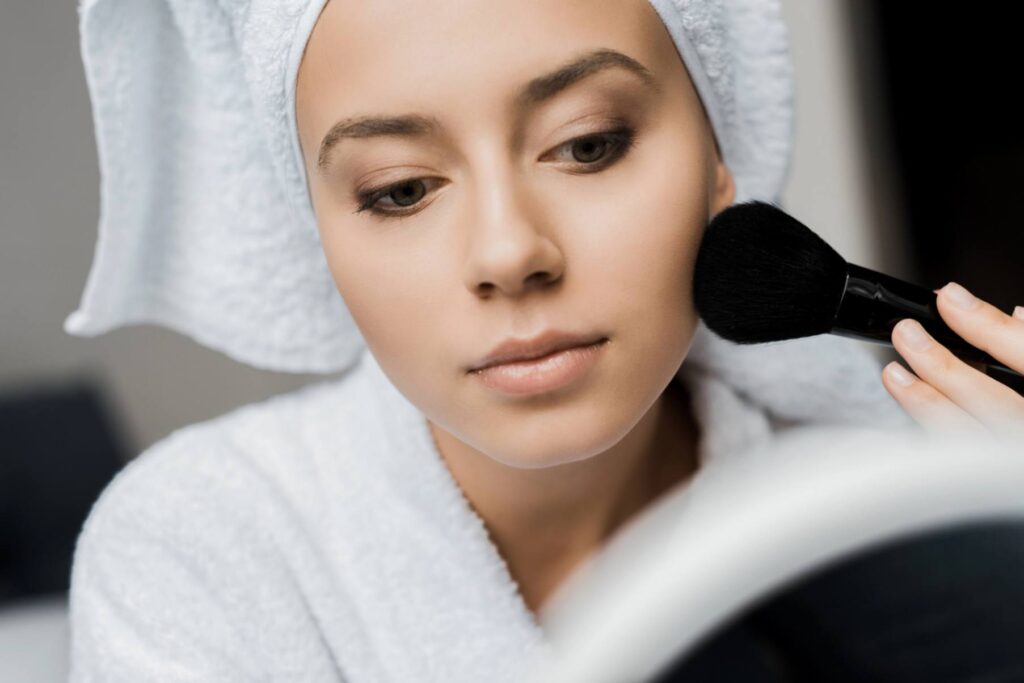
{"x": 915, "y": 336}
{"x": 1018, "y": 312}
{"x": 960, "y": 297}
{"x": 899, "y": 375}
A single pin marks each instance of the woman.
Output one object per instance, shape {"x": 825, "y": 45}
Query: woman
{"x": 462, "y": 186}
{"x": 497, "y": 225}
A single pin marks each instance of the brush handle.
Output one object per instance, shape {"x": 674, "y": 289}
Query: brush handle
{"x": 873, "y": 302}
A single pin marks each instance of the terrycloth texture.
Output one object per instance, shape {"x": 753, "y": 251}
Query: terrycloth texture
{"x": 319, "y": 536}
{"x": 206, "y": 226}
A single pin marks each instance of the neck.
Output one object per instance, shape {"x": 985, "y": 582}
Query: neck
{"x": 546, "y": 521}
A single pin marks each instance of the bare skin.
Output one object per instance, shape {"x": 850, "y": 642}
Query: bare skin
{"x": 512, "y": 228}
{"x": 547, "y": 556}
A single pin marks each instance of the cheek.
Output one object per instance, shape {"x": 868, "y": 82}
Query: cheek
{"x": 645, "y": 244}
{"x": 389, "y": 299}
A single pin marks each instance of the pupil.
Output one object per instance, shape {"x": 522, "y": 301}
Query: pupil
{"x": 404, "y": 191}
{"x": 589, "y": 156}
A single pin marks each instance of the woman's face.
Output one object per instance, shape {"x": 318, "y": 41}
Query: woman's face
{"x": 514, "y": 207}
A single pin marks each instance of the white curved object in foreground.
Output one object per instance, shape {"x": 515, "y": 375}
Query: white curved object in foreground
{"x": 748, "y": 526}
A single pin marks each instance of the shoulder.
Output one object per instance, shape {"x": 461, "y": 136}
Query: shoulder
{"x": 211, "y": 528}
{"x": 209, "y": 474}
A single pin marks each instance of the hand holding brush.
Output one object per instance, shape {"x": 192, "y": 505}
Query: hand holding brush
{"x": 762, "y": 276}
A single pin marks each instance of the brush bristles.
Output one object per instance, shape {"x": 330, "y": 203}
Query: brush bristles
{"x": 761, "y": 275}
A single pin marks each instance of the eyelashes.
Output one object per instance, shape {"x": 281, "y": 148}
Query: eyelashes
{"x": 613, "y": 145}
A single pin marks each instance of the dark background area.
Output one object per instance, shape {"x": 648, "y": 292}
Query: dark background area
{"x": 948, "y": 86}
{"x": 61, "y": 446}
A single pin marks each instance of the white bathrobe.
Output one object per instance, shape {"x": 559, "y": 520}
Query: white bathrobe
{"x": 319, "y": 536}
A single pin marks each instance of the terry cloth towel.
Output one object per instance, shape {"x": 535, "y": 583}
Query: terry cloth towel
{"x": 319, "y": 536}
{"x": 206, "y": 226}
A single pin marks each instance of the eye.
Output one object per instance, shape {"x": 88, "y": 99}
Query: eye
{"x": 405, "y": 194}
{"x": 601, "y": 150}
{"x": 596, "y": 152}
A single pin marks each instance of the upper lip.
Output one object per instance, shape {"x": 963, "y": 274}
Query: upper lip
{"x": 543, "y": 344}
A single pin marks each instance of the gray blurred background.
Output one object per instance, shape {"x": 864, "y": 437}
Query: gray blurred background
{"x": 906, "y": 155}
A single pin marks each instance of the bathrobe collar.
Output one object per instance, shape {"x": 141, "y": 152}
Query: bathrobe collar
{"x": 430, "y": 531}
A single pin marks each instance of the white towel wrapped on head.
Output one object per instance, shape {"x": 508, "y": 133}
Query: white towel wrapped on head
{"x": 206, "y": 225}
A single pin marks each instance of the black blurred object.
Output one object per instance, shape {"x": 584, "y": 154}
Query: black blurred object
{"x": 941, "y": 607}
{"x": 59, "y": 450}
{"x": 945, "y": 145}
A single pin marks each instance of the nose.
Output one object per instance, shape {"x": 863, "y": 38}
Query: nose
{"x": 511, "y": 249}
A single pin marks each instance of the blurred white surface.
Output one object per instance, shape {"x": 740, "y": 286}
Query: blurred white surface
{"x": 34, "y": 641}
{"x": 748, "y": 526}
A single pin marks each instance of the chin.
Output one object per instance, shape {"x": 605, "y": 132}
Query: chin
{"x": 561, "y": 442}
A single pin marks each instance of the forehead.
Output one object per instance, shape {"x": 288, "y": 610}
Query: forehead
{"x": 403, "y": 53}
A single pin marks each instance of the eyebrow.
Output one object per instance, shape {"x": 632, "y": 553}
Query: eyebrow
{"x": 535, "y": 92}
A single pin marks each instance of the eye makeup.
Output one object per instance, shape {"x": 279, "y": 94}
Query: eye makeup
{"x": 617, "y": 140}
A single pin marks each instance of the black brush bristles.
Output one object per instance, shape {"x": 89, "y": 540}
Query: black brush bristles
{"x": 761, "y": 275}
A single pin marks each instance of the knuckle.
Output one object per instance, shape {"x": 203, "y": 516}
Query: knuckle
{"x": 944, "y": 362}
{"x": 919, "y": 397}
{"x": 996, "y": 326}
{"x": 928, "y": 400}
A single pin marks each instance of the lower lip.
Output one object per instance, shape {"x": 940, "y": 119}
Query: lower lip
{"x": 542, "y": 374}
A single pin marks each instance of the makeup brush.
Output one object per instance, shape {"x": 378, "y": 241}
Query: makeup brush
{"x": 761, "y": 275}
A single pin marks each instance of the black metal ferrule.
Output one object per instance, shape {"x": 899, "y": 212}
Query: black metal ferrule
{"x": 873, "y": 302}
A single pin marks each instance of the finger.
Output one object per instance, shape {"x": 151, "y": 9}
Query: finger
{"x": 983, "y": 325}
{"x": 929, "y": 407}
{"x": 984, "y": 398}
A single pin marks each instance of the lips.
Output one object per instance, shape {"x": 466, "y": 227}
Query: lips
{"x": 544, "y": 344}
